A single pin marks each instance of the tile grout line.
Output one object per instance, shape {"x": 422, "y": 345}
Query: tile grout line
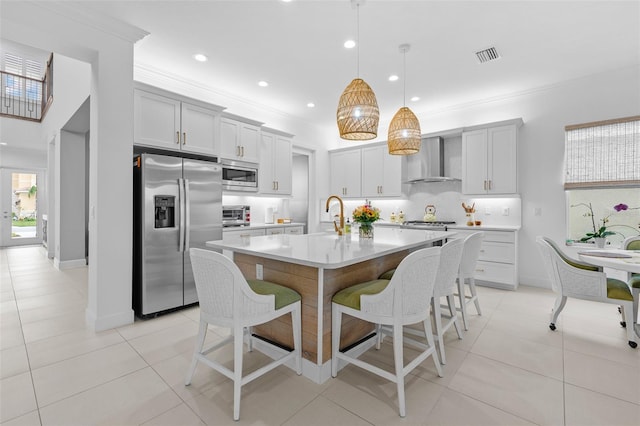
{"x": 33, "y": 385}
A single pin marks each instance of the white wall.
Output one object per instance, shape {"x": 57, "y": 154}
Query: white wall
{"x": 70, "y": 201}
{"x": 107, "y": 46}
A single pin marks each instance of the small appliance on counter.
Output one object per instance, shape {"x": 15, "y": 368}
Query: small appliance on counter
{"x": 268, "y": 215}
{"x": 430, "y": 213}
{"x": 236, "y": 216}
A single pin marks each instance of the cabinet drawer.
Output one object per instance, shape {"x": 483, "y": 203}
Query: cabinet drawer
{"x": 239, "y": 235}
{"x": 497, "y": 252}
{"x": 500, "y": 236}
{"x": 495, "y": 272}
{"x": 298, "y": 230}
{"x": 274, "y": 231}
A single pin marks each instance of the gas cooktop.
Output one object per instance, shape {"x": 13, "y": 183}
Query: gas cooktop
{"x": 434, "y": 222}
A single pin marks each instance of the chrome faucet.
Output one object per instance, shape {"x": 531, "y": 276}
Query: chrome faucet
{"x": 339, "y": 230}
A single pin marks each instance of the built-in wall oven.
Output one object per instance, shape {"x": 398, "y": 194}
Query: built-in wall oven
{"x": 239, "y": 176}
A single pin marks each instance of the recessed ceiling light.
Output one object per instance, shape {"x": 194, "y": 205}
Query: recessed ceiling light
{"x": 3, "y": 143}
{"x": 200, "y": 57}
{"x": 415, "y": 99}
{"x": 350, "y": 44}
{"x": 263, "y": 83}
{"x": 286, "y": 1}
{"x": 311, "y": 105}
{"x": 393, "y": 77}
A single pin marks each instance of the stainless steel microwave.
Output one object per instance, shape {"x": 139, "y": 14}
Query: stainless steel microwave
{"x": 239, "y": 176}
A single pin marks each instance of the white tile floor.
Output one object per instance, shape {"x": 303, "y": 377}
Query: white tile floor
{"x": 509, "y": 369}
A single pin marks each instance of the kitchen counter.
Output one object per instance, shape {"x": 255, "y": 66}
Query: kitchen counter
{"x": 328, "y": 250}
{"x": 317, "y": 266}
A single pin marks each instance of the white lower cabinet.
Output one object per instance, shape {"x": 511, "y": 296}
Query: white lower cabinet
{"x": 299, "y": 230}
{"x": 497, "y": 264}
{"x": 233, "y": 236}
{"x": 285, "y": 230}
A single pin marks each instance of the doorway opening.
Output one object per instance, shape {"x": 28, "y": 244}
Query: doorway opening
{"x": 21, "y": 215}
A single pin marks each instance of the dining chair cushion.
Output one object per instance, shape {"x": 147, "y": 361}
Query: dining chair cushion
{"x": 635, "y": 281}
{"x": 284, "y": 296}
{"x": 350, "y": 296}
{"x": 617, "y": 289}
{"x": 633, "y": 245}
{"x": 387, "y": 275}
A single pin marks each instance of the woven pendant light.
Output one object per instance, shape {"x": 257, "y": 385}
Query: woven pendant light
{"x": 358, "y": 114}
{"x": 404, "y": 130}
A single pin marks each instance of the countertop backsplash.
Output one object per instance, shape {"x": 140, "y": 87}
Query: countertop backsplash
{"x": 446, "y": 197}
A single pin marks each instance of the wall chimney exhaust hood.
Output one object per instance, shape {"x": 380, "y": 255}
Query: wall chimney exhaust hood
{"x": 428, "y": 164}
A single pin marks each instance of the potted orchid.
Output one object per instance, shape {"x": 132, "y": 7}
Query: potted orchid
{"x": 600, "y": 231}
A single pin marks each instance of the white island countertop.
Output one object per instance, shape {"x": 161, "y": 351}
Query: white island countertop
{"x": 328, "y": 250}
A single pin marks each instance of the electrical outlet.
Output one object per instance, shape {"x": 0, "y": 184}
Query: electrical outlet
{"x": 505, "y": 211}
{"x": 259, "y": 272}
{"x": 487, "y": 211}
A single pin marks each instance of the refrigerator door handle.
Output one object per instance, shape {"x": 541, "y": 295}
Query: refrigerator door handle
{"x": 182, "y": 215}
{"x": 187, "y": 214}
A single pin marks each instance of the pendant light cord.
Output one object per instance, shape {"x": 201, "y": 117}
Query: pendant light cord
{"x": 358, "y": 39}
{"x": 404, "y": 77}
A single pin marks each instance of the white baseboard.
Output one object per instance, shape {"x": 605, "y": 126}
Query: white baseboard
{"x": 69, "y": 264}
{"x": 110, "y": 321}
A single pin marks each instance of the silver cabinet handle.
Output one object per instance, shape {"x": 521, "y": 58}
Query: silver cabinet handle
{"x": 242, "y": 151}
{"x": 184, "y": 138}
{"x": 178, "y": 138}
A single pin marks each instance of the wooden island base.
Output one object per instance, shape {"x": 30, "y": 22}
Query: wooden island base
{"x": 317, "y": 286}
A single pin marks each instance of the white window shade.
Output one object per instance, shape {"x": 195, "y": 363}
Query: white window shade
{"x": 603, "y": 154}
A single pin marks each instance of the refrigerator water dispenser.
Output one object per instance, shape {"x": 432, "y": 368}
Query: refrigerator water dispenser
{"x": 165, "y": 211}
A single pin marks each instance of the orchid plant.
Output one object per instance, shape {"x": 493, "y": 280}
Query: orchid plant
{"x": 600, "y": 230}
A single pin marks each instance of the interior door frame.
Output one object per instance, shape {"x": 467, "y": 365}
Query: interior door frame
{"x": 5, "y": 206}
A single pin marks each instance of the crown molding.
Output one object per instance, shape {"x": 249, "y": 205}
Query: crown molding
{"x": 85, "y": 16}
{"x": 155, "y": 76}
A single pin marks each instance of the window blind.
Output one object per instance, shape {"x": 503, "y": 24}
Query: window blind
{"x": 603, "y": 154}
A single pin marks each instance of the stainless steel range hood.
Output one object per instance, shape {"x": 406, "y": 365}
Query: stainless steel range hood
{"x": 428, "y": 164}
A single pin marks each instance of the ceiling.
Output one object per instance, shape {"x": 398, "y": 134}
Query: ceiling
{"x": 298, "y": 48}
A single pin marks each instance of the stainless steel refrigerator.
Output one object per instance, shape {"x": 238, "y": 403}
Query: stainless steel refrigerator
{"x": 177, "y": 205}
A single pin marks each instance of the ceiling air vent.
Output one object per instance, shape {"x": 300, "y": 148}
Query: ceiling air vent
{"x": 487, "y": 55}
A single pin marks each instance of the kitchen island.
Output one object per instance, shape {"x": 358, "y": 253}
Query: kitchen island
{"x": 317, "y": 266}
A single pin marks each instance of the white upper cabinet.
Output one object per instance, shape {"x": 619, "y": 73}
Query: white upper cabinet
{"x": 489, "y": 160}
{"x": 381, "y": 172}
{"x": 239, "y": 140}
{"x": 275, "y": 163}
{"x": 345, "y": 173}
{"x": 168, "y": 121}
